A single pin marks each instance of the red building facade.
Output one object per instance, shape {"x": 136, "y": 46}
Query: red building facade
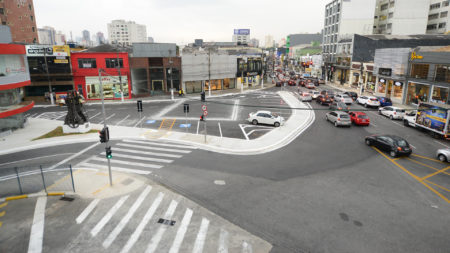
{"x": 19, "y": 16}
{"x": 85, "y": 69}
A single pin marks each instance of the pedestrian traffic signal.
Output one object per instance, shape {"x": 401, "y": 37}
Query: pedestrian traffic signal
{"x": 202, "y": 96}
{"x": 104, "y": 135}
{"x": 108, "y": 152}
{"x": 139, "y": 105}
{"x": 186, "y": 108}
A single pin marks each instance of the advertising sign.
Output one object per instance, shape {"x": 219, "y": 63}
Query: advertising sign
{"x": 432, "y": 116}
{"x": 38, "y": 50}
{"x": 242, "y": 31}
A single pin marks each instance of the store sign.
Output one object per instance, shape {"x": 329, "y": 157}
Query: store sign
{"x": 106, "y": 80}
{"x": 369, "y": 67}
{"x": 355, "y": 74}
{"x": 414, "y": 55}
{"x": 356, "y": 66}
{"x": 46, "y": 50}
{"x": 61, "y": 61}
{"x": 242, "y": 31}
{"x": 398, "y": 83}
{"x": 382, "y": 80}
{"x": 385, "y": 72}
{"x": 252, "y": 73}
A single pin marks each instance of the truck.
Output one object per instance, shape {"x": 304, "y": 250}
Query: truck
{"x": 433, "y": 118}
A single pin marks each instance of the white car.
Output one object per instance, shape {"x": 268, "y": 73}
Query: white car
{"x": 305, "y": 96}
{"x": 314, "y": 94}
{"x": 368, "y": 101}
{"x": 410, "y": 118}
{"x": 265, "y": 117}
{"x": 392, "y": 112}
{"x": 343, "y": 98}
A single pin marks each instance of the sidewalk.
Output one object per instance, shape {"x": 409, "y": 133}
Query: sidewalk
{"x": 299, "y": 121}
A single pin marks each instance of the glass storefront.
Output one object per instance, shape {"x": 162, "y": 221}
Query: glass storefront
{"x": 193, "y": 86}
{"x": 381, "y": 87}
{"x": 111, "y": 87}
{"x": 398, "y": 89}
{"x": 228, "y": 83}
{"x": 215, "y": 85}
{"x": 439, "y": 95}
{"x": 417, "y": 93}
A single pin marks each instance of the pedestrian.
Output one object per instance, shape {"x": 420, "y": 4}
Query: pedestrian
{"x": 180, "y": 92}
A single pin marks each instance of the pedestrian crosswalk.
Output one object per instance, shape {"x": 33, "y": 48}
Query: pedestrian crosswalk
{"x": 138, "y": 156}
{"x": 131, "y": 224}
{"x": 47, "y": 115}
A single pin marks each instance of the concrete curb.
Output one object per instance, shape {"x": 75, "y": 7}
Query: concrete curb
{"x": 34, "y": 195}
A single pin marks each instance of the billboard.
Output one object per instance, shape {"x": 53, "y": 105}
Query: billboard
{"x": 242, "y": 31}
{"x": 38, "y": 50}
{"x": 432, "y": 116}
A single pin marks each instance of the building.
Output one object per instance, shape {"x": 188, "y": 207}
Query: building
{"x": 111, "y": 60}
{"x": 254, "y": 42}
{"x": 14, "y": 76}
{"x": 438, "y": 17}
{"x": 411, "y": 75}
{"x": 19, "y": 16}
{"x": 99, "y": 38}
{"x": 268, "y": 41}
{"x": 60, "y": 38}
{"x": 55, "y": 59}
{"x": 241, "y": 36}
{"x": 86, "y": 38}
{"x": 298, "y": 43}
{"x": 47, "y": 35}
{"x": 150, "y": 40}
{"x": 126, "y": 32}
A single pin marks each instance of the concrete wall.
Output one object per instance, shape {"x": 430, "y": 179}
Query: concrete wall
{"x": 392, "y": 58}
{"x": 5, "y": 34}
{"x": 410, "y": 17}
{"x": 195, "y": 67}
{"x": 357, "y": 17}
{"x": 154, "y": 50}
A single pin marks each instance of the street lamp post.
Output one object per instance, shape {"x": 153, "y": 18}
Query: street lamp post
{"x": 52, "y": 101}
{"x": 120, "y": 76}
{"x": 171, "y": 79}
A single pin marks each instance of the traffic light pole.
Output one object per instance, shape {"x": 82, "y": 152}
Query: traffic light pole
{"x": 104, "y": 122}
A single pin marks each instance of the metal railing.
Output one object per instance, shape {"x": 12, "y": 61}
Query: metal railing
{"x": 34, "y": 179}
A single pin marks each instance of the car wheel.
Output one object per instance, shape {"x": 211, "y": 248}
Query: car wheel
{"x": 335, "y": 124}
{"x": 442, "y": 158}
{"x": 368, "y": 143}
{"x": 365, "y": 105}
{"x": 393, "y": 153}
{"x": 276, "y": 124}
{"x": 379, "y": 112}
{"x": 326, "y": 117}
{"x": 391, "y": 117}
{"x": 405, "y": 122}
{"x": 254, "y": 122}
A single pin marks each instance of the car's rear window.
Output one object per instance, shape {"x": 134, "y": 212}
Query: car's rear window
{"x": 345, "y": 96}
{"x": 363, "y": 116}
{"x": 400, "y": 110}
{"x": 373, "y": 99}
{"x": 402, "y": 143}
{"x": 388, "y": 100}
{"x": 344, "y": 116}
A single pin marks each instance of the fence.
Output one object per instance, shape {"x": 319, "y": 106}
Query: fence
{"x": 33, "y": 179}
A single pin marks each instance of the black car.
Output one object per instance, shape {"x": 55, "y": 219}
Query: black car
{"x": 323, "y": 100}
{"x": 396, "y": 146}
{"x": 352, "y": 94}
{"x": 339, "y": 106}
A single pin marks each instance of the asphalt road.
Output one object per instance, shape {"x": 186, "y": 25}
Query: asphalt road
{"x": 324, "y": 192}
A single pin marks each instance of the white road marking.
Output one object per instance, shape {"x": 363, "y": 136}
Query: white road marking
{"x": 181, "y": 231}
{"x": 153, "y": 148}
{"x": 441, "y": 144}
{"x": 201, "y": 236}
{"x": 40, "y": 115}
{"x": 198, "y": 124}
{"x": 234, "y": 115}
{"x": 118, "y": 123}
{"x": 161, "y": 144}
{"x": 243, "y": 132}
{"x": 34, "y": 158}
{"x": 95, "y": 115}
{"x": 108, "y": 216}
{"x": 37, "y": 229}
{"x": 162, "y": 229}
{"x": 115, "y": 168}
{"x": 61, "y": 116}
{"x": 112, "y": 236}
{"x": 141, "y": 158}
{"x": 34, "y": 115}
{"x": 256, "y": 130}
{"x": 246, "y": 248}
{"x": 169, "y": 108}
{"x": 147, "y": 153}
{"x": 412, "y": 146}
{"x": 135, "y": 236}
{"x": 139, "y": 121}
{"x": 223, "y": 241}
{"x": 87, "y": 211}
{"x": 220, "y": 130}
{"x": 146, "y": 165}
{"x": 112, "y": 115}
{"x": 73, "y": 156}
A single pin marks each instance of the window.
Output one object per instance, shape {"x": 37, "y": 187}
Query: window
{"x": 391, "y": 15}
{"x": 29, "y": 6}
{"x": 389, "y": 26}
{"x": 444, "y": 14}
{"x": 87, "y": 63}
{"x": 442, "y": 73}
{"x": 384, "y": 7}
{"x": 433, "y": 16}
{"x": 32, "y": 18}
{"x": 33, "y": 29}
{"x": 391, "y": 4}
{"x": 420, "y": 71}
{"x": 432, "y": 27}
{"x": 445, "y": 3}
{"x": 442, "y": 25}
{"x": 112, "y": 62}
{"x": 337, "y": 18}
{"x": 435, "y": 6}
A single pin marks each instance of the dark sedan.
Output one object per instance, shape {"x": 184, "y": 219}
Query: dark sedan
{"x": 352, "y": 94}
{"x": 394, "y": 145}
{"x": 339, "y": 106}
{"x": 323, "y": 100}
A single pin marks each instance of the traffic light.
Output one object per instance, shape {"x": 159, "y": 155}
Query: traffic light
{"x": 202, "y": 96}
{"x": 104, "y": 135}
{"x": 108, "y": 152}
{"x": 201, "y": 117}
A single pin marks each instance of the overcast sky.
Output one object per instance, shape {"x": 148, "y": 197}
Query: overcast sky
{"x": 182, "y": 21}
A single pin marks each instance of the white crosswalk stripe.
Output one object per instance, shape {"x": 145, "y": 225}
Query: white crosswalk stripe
{"x": 201, "y": 236}
{"x": 154, "y": 148}
{"x": 147, "y": 153}
{"x": 150, "y": 159}
{"x": 154, "y": 166}
{"x": 87, "y": 211}
{"x": 50, "y": 115}
{"x": 162, "y": 229}
{"x": 161, "y": 144}
{"x": 223, "y": 242}
{"x": 246, "y": 248}
{"x": 114, "y": 168}
{"x": 181, "y": 231}
{"x": 108, "y": 216}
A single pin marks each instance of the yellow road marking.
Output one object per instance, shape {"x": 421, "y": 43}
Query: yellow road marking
{"x": 106, "y": 186}
{"x": 55, "y": 193}
{"x": 428, "y": 158}
{"x": 3, "y": 205}
{"x": 57, "y": 182}
{"x": 173, "y": 123}
{"x": 426, "y": 165}
{"x": 17, "y": 197}
{"x": 162, "y": 123}
{"x": 435, "y": 173}
{"x": 412, "y": 175}
{"x": 442, "y": 187}
{"x": 1, "y": 223}
{"x": 2, "y": 214}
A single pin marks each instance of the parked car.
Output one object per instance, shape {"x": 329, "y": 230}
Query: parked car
{"x": 343, "y": 98}
{"x": 392, "y": 144}
{"x": 265, "y": 117}
{"x": 339, "y": 106}
{"x": 384, "y": 101}
{"x": 310, "y": 86}
{"x": 314, "y": 93}
{"x": 359, "y": 118}
{"x": 305, "y": 96}
{"x": 323, "y": 99}
{"x": 338, "y": 118}
{"x": 443, "y": 154}
{"x": 392, "y": 112}
{"x": 368, "y": 101}
{"x": 352, "y": 94}
{"x": 409, "y": 119}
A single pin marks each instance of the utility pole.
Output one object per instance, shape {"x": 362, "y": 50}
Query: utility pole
{"x": 52, "y": 101}
{"x": 104, "y": 121}
{"x": 171, "y": 79}
{"x": 120, "y": 76}
{"x": 209, "y": 71}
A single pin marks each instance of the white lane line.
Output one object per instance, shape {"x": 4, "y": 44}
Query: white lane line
{"x": 412, "y": 146}
{"x": 243, "y": 131}
{"x": 146, "y": 165}
{"x": 115, "y": 168}
{"x": 139, "y": 121}
{"x": 34, "y": 115}
{"x": 256, "y": 130}
{"x": 161, "y": 144}
{"x": 118, "y": 123}
{"x": 147, "y": 153}
{"x": 153, "y": 148}
{"x": 223, "y": 241}
{"x": 201, "y": 236}
{"x": 246, "y": 248}
{"x": 168, "y": 108}
{"x": 73, "y": 156}
{"x": 112, "y": 115}
{"x": 87, "y": 211}
{"x": 181, "y": 231}
{"x": 40, "y": 115}
{"x": 141, "y": 158}
{"x": 60, "y": 116}
{"x": 198, "y": 124}
{"x": 162, "y": 229}
{"x": 135, "y": 236}
{"x": 220, "y": 130}
{"x": 234, "y": 115}
{"x": 95, "y": 115}
{"x": 34, "y": 158}
{"x": 108, "y": 216}
{"x": 37, "y": 229}
{"x": 441, "y": 144}
{"x": 112, "y": 236}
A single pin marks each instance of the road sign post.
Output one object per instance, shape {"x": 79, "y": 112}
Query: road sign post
{"x": 205, "y": 113}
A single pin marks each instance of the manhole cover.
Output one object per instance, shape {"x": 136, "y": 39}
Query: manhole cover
{"x": 166, "y": 222}
{"x": 66, "y": 199}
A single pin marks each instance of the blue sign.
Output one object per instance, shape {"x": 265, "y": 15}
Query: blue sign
{"x": 150, "y": 121}
{"x": 185, "y": 125}
{"x": 242, "y": 31}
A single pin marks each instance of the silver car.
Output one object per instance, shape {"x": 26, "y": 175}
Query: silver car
{"x": 314, "y": 93}
{"x": 305, "y": 97}
{"x": 344, "y": 98}
{"x": 443, "y": 154}
{"x": 339, "y": 118}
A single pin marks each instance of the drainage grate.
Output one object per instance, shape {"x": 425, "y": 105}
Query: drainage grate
{"x": 166, "y": 222}
{"x": 66, "y": 198}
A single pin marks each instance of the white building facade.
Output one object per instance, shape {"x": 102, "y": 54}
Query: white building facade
{"x": 47, "y": 35}
{"x": 269, "y": 42}
{"x": 126, "y": 32}
{"x": 241, "y": 36}
{"x": 438, "y": 17}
